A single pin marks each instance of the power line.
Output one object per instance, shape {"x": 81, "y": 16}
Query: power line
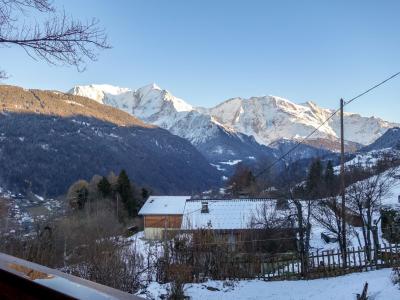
{"x": 370, "y": 89}
{"x": 323, "y": 123}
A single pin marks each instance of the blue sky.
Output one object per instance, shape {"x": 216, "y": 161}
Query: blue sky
{"x": 208, "y": 51}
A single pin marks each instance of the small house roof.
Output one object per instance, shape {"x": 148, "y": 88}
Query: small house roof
{"x": 224, "y": 214}
{"x": 164, "y": 205}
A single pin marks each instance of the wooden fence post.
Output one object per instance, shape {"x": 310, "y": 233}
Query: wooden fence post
{"x": 363, "y": 295}
{"x": 361, "y": 265}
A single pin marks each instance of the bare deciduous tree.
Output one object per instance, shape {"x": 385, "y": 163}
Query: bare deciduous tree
{"x": 365, "y": 199}
{"x": 301, "y": 210}
{"x": 327, "y": 214}
{"x": 267, "y": 216}
{"x": 59, "y": 40}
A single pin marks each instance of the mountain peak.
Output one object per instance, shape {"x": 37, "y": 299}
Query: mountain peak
{"x": 149, "y": 87}
{"x": 311, "y": 104}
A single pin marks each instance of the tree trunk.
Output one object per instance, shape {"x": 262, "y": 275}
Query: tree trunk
{"x": 364, "y": 232}
{"x": 301, "y": 237}
{"x": 338, "y": 225}
{"x": 369, "y": 229}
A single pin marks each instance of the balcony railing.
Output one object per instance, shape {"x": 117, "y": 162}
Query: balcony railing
{"x": 21, "y": 279}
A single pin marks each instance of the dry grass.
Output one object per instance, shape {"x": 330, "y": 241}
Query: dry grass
{"x": 19, "y": 100}
{"x": 3, "y": 208}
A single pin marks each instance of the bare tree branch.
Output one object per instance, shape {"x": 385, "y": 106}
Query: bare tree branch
{"x": 60, "y": 40}
{"x": 40, "y": 5}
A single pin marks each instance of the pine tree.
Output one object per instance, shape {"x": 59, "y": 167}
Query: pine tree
{"x": 330, "y": 179}
{"x": 104, "y": 187}
{"x": 126, "y": 193}
{"x": 314, "y": 179}
{"x": 145, "y": 194}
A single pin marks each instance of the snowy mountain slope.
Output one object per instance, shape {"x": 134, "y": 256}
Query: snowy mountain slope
{"x": 154, "y": 105}
{"x": 391, "y": 139}
{"x": 219, "y": 143}
{"x": 271, "y": 118}
{"x": 385, "y": 148}
{"x": 267, "y": 118}
{"x": 371, "y": 158}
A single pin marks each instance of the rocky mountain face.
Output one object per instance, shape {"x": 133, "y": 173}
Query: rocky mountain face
{"x": 49, "y": 140}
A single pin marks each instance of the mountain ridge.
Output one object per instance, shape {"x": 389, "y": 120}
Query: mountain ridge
{"x": 267, "y": 118}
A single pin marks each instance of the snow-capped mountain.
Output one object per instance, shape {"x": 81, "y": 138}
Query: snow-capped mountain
{"x": 271, "y": 118}
{"x": 257, "y": 121}
{"x": 218, "y": 142}
{"x": 154, "y": 105}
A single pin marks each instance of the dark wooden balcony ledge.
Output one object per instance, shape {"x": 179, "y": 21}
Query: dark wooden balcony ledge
{"x": 21, "y": 279}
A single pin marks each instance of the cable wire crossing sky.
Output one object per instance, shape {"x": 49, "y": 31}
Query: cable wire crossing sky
{"x": 208, "y": 51}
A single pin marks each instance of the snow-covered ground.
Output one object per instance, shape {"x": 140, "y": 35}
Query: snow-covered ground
{"x": 380, "y": 287}
{"x": 369, "y": 159}
{"x": 342, "y": 287}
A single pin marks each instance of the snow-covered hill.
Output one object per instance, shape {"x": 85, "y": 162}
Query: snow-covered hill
{"x": 391, "y": 139}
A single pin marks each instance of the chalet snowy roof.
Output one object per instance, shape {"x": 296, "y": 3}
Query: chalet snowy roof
{"x": 164, "y": 205}
{"x": 224, "y": 214}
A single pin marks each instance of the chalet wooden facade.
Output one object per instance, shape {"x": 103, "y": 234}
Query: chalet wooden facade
{"x": 165, "y": 221}
{"x": 162, "y": 214}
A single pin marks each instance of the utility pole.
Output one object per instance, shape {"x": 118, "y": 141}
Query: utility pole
{"x": 343, "y": 186}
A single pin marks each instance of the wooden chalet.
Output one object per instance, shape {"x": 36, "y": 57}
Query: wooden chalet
{"x": 162, "y": 214}
{"x": 234, "y": 221}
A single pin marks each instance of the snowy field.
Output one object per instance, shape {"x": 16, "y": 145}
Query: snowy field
{"x": 337, "y": 288}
